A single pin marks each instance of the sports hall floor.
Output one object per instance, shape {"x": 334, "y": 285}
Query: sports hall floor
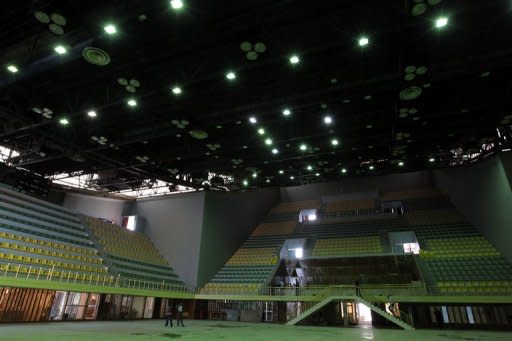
{"x": 226, "y": 331}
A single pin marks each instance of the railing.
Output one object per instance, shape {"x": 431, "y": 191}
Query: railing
{"x": 21, "y": 271}
{"x": 320, "y": 291}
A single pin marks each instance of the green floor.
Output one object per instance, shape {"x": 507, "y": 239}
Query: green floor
{"x": 227, "y": 331}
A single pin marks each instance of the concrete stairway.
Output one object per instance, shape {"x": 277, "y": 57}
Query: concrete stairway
{"x": 385, "y": 314}
{"x": 329, "y": 299}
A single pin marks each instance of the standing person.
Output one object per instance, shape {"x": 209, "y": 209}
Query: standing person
{"x": 168, "y": 316}
{"x": 179, "y": 318}
{"x": 358, "y": 289}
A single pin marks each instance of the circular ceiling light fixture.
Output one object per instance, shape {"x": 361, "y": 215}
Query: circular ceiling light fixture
{"x": 176, "y": 4}
{"x": 96, "y": 56}
{"x": 64, "y": 121}
{"x": 275, "y": 151}
{"x": 294, "y": 59}
{"x": 261, "y": 131}
{"x": 303, "y": 147}
{"x": 60, "y": 49}
{"x": 230, "y": 75}
{"x": 334, "y": 142}
{"x": 176, "y": 90}
{"x": 281, "y": 171}
{"x": 363, "y": 41}
{"x": 253, "y": 120}
{"x": 411, "y": 93}
{"x": 441, "y": 22}
{"x": 42, "y": 17}
{"x": 344, "y": 170}
{"x": 110, "y": 29}
{"x": 268, "y": 141}
{"x": 328, "y": 120}
{"x": 92, "y": 114}
{"x": 431, "y": 160}
{"x": 287, "y": 112}
{"x": 12, "y": 68}
{"x": 131, "y": 102}
{"x": 59, "y": 19}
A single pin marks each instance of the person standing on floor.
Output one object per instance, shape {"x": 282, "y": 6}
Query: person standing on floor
{"x": 179, "y": 318}
{"x": 168, "y": 317}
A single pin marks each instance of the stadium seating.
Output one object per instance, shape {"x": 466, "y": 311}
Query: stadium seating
{"x": 276, "y": 228}
{"x": 347, "y": 246}
{"x": 349, "y": 205}
{"x": 131, "y": 254}
{"x": 295, "y": 206}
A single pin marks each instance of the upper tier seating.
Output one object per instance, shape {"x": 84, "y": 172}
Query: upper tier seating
{"x": 132, "y": 254}
{"x": 434, "y": 217}
{"x": 277, "y": 228}
{"x": 295, "y": 206}
{"x": 349, "y": 205}
{"x": 415, "y": 194}
{"x": 348, "y": 246}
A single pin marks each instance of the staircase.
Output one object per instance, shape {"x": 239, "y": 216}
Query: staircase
{"x": 373, "y": 307}
{"x": 310, "y": 311}
{"x": 386, "y": 315}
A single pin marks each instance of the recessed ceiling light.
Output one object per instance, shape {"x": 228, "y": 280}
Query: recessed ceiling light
{"x": 253, "y": 120}
{"x": 441, "y": 22}
{"x": 327, "y": 120}
{"x": 303, "y": 147}
{"x": 177, "y": 4}
{"x": 12, "y": 68}
{"x": 176, "y": 90}
{"x": 287, "y": 112}
{"x": 371, "y": 168}
{"x": 401, "y": 163}
{"x": 343, "y": 170}
{"x": 363, "y": 41}
{"x": 292, "y": 177}
{"x": 294, "y": 59}
{"x": 64, "y": 121}
{"x": 110, "y": 29}
{"x": 92, "y": 113}
{"x": 132, "y": 102}
{"x": 281, "y": 171}
{"x": 431, "y": 160}
{"x": 60, "y": 49}
{"x": 309, "y": 167}
{"x": 245, "y": 183}
{"x": 261, "y": 131}
{"x": 317, "y": 174}
{"x": 268, "y": 142}
{"x": 231, "y": 75}
{"x": 254, "y": 175}
{"x": 275, "y": 151}
{"x": 267, "y": 181}
{"x": 334, "y": 142}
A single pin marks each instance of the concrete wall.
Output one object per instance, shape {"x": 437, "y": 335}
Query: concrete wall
{"x": 393, "y": 182}
{"x": 97, "y": 207}
{"x": 483, "y": 194}
{"x": 174, "y": 225}
{"x": 229, "y": 219}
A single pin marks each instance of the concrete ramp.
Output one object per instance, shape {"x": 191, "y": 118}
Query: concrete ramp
{"x": 310, "y": 311}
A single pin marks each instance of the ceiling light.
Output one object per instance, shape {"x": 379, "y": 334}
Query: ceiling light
{"x": 401, "y": 164}
{"x": 176, "y": 90}
{"x": 132, "y": 102}
{"x": 343, "y": 170}
{"x": 92, "y": 113}
{"x": 110, "y": 29}
{"x": 303, "y": 147}
{"x": 287, "y": 112}
{"x": 309, "y": 167}
{"x": 334, "y": 142}
{"x": 64, "y": 121}
{"x": 268, "y": 142}
{"x": 12, "y": 68}
{"x": 60, "y": 49}
{"x": 177, "y": 4}
{"x": 292, "y": 177}
{"x": 245, "y": 183}
{"x": 261, "y": 131}
{"x": 281, "y": 171}
{"x": 230, "y": 75}
{"x": 363, "y": 41}
{"x": 267, "y": 181}
{"x": 431, "y": 160}
{"x": 294, "y": 59}
{"x": 275, "y": 151}
{"x": 317, "y": 174}
{"x": 371, "y": 168}
{"x": 441, "y": 22}
{"x": 253, "y": 120}
{"x": 254, "y": 175}
{"x": 327, "y": 120}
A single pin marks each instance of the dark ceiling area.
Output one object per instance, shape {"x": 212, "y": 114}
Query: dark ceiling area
{"x": 264, "y": 93}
